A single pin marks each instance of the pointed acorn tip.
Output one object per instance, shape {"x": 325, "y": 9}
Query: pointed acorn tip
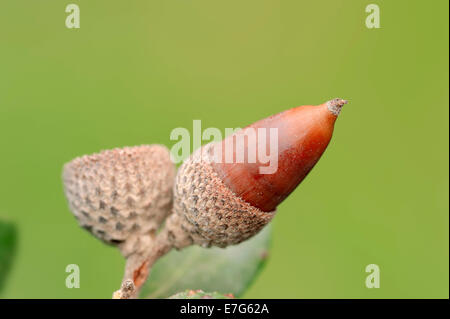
{"x": 335, "y": 105}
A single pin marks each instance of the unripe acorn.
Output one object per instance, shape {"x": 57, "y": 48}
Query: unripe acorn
{"x": 220, "y": 204}
{"x": 122, "y": 195}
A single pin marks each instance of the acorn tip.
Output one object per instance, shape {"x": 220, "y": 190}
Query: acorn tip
{"x": 335, "y": 105}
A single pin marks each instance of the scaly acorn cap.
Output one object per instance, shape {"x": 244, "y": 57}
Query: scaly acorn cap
{"x": 121, "y": 195}
{"x": 206, "y": 212}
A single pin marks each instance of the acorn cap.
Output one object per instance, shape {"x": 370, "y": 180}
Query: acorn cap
{"x": 206, "y": 211}
{"x": 121, "y": 192}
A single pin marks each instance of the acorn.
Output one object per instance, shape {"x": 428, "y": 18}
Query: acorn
{"x": 218, "y": 203}
{"x": 121, "y": 195}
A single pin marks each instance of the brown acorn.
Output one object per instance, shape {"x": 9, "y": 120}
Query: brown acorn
{"x": 217, "y": 203}
{"x": 122, "y": 195}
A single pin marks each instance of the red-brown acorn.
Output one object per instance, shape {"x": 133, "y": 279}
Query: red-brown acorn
{"x": 218, "y": 203}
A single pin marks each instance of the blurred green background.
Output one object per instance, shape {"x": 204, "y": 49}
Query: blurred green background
{"x": 135, "y": 70}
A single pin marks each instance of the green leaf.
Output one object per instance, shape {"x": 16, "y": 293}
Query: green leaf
{"x": 230, "y": 270}
{"x": 7, "y": 247}
{"x": 200, "y": 294}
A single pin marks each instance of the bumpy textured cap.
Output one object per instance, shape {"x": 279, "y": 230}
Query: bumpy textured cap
{"x": 120, "y": 193}
{"x": 206, "y": 211}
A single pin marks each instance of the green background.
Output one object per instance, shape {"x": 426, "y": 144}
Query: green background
{"x": 136, "y": 69}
